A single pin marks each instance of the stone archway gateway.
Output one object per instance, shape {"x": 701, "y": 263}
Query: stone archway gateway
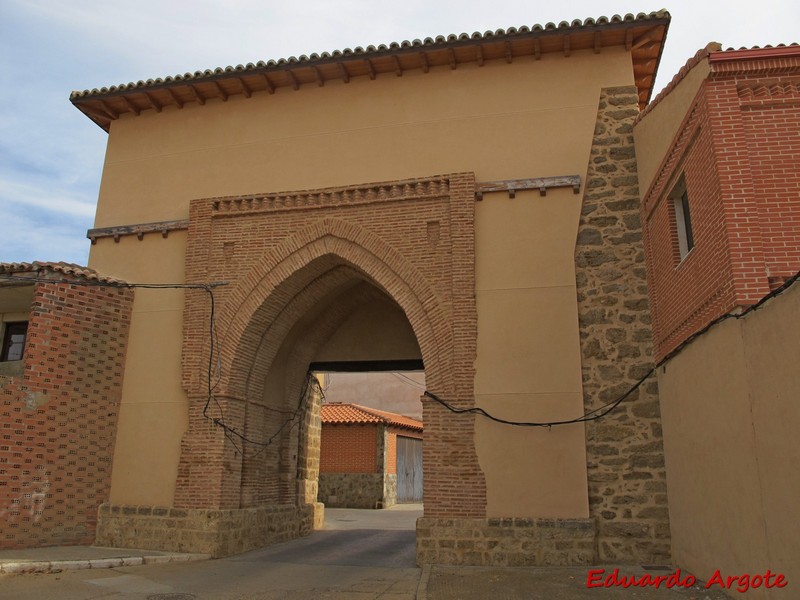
{"x": 530, "y": 305}
{"x": 298, "y": 265}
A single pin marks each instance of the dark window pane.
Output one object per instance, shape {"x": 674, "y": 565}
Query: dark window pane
{"x": 14, "y": 341}
{"x": 687, "y": 221}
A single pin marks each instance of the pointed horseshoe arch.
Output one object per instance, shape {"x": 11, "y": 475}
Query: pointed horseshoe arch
{"x": 411, "y": 242}
{"x": 250, "y": 308}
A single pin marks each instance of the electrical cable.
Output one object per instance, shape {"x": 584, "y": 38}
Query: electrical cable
{"x": 231, "y": 432}
{"x": 214, "y": 356}
{"x": 602, "y": 411}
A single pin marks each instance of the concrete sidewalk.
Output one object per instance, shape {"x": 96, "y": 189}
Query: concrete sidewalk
{"x": 440, "y": 582}
{"x": 436, "y": 582}
{"x": 64, "y": 558}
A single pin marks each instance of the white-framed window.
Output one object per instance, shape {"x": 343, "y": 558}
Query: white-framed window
{"x": 683, "y": 217}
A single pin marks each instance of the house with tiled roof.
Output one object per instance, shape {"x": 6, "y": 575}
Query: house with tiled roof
{"x": 369, "y": 458}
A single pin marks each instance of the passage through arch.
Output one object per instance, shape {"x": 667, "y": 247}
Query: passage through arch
{"x": 394, "y": 261}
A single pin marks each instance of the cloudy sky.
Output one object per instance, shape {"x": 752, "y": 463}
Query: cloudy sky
{"x": 51, "y": 156}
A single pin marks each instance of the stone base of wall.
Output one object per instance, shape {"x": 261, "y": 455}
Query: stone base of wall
{"x": 215, "y": 532}
{"x": 509, "y": 542}
{"x": 389, "y": 490}
{"x": 355, "y": 490}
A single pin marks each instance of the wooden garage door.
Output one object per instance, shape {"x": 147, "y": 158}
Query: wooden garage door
{"x": 409, "y": 469}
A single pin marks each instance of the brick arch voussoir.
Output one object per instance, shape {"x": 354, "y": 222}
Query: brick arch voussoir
{"x": 352, "y": 244}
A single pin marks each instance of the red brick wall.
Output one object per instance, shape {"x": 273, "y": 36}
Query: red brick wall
{"x": 391, "y": 454}
{"x": 738, "y": 150}
{"x": 59, "y": 419}
{"x": 349, "y": 449}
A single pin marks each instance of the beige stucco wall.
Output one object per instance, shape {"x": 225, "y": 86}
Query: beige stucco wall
{"x": 503, "y": 121}
{"x": 654, "y": 134}
{"x": 730, "y": 417}
{"x": 154, "y": 410}
{"x": 15, "y": 303}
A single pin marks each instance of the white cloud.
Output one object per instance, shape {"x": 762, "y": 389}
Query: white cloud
{"x": 28, "y": 196}
{"x": 52, "y": 156}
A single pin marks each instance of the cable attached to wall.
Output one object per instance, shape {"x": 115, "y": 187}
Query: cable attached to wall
{"x": 602, "y": 411}
{"x": 213, "y": 356}
{"x": 232, "y": 434}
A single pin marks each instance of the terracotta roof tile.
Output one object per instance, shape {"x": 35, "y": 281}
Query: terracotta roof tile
{"x": 105, "y": 104}
{"x": 714, "y": 51}
{"x": 679, "y": 76}
{"x": 342, "y": 413}
{"x": 55, "y": 268}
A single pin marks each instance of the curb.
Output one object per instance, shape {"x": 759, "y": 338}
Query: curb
{"x": 422, "y": 586}
{"x": 56, "y": 566}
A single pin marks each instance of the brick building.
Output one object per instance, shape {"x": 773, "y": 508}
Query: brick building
{"x": 60, "y": 389}
{"x": 369, "y": 458}
{"x": 719, "y": 168}
{"x": 467, "y": 205}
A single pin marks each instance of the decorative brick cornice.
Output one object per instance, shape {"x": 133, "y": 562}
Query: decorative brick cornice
{"x": 393, "y": 191}
{"x": 760, "y": 92}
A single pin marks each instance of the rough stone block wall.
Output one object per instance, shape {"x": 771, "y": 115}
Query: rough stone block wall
{"x": 206, "y": 531}
{"x": 517, "y": 542}
{"x": 624, "y": 450}
{"x": 352, "y": 490}
{"x": 58, "y": 419}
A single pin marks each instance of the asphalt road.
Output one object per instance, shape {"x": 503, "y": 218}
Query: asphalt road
{"x": 359, "y": 555}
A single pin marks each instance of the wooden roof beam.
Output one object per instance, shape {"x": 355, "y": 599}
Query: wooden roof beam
{"x": 398, "y": 68}
{"x": 108, "y": 110}
{"x": 268, "y": 83}
{"x": 537, "y": 49}
{"x": 509, "y": 54}
{"x": 131, "y": 106}
{"x": 178, "y": 102}
{"x": 245, "y": 90}
{"x": 566, "y": 47}
{"x": 628, "y": 40}
{"x": 647, "y": 39}
{"x": 295, "y": 83}
{"x": 320, "y": 78}
{"x": 423, "y": 59}
{"x": 152, "y": 102}
{"x": 597, "y": 43}
{"x": 197, "y": 95}
{"x": 479, "y": 54}
{"x": 222, "y": 92}
{"x": 370, "y": 68}
{"x": 452, "y": 56}
{"x": 98, "y": 113}
{"x": 345, "y": 74}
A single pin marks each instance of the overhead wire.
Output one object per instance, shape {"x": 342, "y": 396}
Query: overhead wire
{"x": 607, "y": 408}
{"x": 231, "y": 432}
{"x": 214, "y": 357}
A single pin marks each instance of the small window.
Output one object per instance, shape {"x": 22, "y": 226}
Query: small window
{"x": 14, "y": 341}
{"x": 683, "y": 218}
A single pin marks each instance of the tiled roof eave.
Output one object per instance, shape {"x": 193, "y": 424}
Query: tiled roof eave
{"x": 44, "y": 271}
{"x": 107, "y": 104}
